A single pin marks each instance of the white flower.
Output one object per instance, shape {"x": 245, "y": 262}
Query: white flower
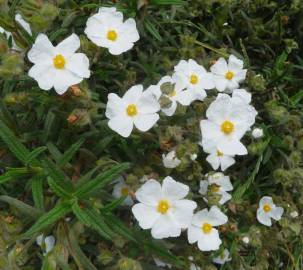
{"x": 134, "y": 108}
{"x": 163, "y": 208}
{"x": 193, "y": 157}
{"x": 107, "y": 29}
{"x": 223, "y": 258}
{"x": 176, "y": 96}
{"x": 245, "y": 239}
{"x": 228, "y": 120}
{"x": 219, "y": 184}
{"x": 194, "y": 78}
{"x": 194, "y": 267}
{"x": 160, "y": 263}
{"x": 122, "y": 189}
{"x": 47, "y": 243}
{"x": 24, "y": 24}
{"x": 59, "y": 67}
{"x": 257, "y": 133}
{"x": 294, "y": 214}
{"x": 267, "y": 210}
{"x": 227, "y": 76}
{"x": 202, "y": 228}
{"x": 170, "y": 160}
{"x": 217, "y": 159}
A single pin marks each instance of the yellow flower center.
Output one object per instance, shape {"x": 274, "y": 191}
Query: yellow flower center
{"x": 227, "y": 127}
{"x": 219, "y": 153}
{"x": 214, "y": 188}
{"x": 207, "y": 228}
{"x": 163, "y": 207}
{"x": 59, "y": 61}
{"x": 194, "y": 79}
{"x": 131, "y": 110}
{"x": 173, "y": 93}
{"x": 266, "y": 208}
{"x": 229, "y": 75}
{"x": 112, "y": 35}
{"x": 124, "y": 191}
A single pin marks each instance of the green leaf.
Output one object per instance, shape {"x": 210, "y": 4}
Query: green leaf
{"x": 69, "y": 154}
{"x": 113, "y": 205}
{"x": 92, "y": 219}
{"x": 37, "y": 191}
{"x": 117, "y": 226}
{"x": 167, "y": 2}
{"x": 100, "y": 181}
{"x": 5, "y": 178}
{"x": 48, "y": 219}
{"x": 58, "y": 188}
{"x": 57, "y": 175}
{"x": 150, "y": 27}
{"x": 16, "y": 147}
{"x": 21, "y": 206}
{"x": 34, "y": 154}
{"x": 74, "y": 249}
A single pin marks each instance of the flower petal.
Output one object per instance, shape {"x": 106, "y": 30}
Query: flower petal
{"x": 78, "y": 63}
{"x": 174, "y": 190}
{"x": 150, "y": 193}
{"x": 68, "y": 46}
{"x": 123, "y": 125}
{"x": 165, "y": 227}
{"x": 146, "y": 215}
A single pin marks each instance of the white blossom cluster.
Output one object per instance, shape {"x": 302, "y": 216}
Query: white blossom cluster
{"x": 163, "y": 208}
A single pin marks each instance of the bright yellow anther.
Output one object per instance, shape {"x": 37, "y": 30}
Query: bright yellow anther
{"x": 112, "y": 35}
{"x": 163, "y": 207}
{"x": 229, "y": 75}
{"x": 124, "y": 191}
{"x": 219, "y": 153}
{"x": 207, "y": 228}
{"x": 131, "y": 110}
{"x": 227, "y": 127}
{"x": 214, "y": 188}
{"x": 59, "y": 61}
{"x": 266, "y": 208}
{"x": 194, "y": 79}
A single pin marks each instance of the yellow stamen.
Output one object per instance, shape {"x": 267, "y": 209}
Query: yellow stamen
{"x": 266, "y": 208}
{"x": 59, "y": 61}
{"x": 131, "y": 110}
{"x": 219, "y": 153}
{"x": 227, "y": 127}
{"x": 124, "y": 191}
{"x": 229, "y": 75}
{"x": 207, "y": 228}
{"x": 194, "y": 79}
{"x": 112, "y": 35}
{"x": 214, "y": 188}
{"x": 163, "y": 207}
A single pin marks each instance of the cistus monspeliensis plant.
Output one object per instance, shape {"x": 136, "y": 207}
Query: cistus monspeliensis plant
{"x": 144, "y": 135}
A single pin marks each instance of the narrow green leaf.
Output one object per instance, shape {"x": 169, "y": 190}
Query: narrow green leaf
{"x": 34, "y": 154}
{"x": 37, "y": 191}
{"x": 100, "y": 181}
{"x": 117, "y": 226}
{"x": 58, "y": 188}
{"x": 21, "y": 206}
{"x": 150, "y": 27}
{"x": 93, "y": 220}
{"x": 5, "y": 178}
{"x": 69, "y": 154}
{"x": 74, "y": 249}
{"x": 16, "y": 147}
{"x": 48, "y": 219}
{"x": 113, "y": 205}
{"x": 57, "y": 175}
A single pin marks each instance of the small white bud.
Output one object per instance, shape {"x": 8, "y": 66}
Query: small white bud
{"x": 294, "y": 214}
{"x": 257, "y": 133}
{"x": 245, "y": 239}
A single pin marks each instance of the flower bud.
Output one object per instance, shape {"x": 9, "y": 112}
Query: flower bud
{"x": 128, "y": 264}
